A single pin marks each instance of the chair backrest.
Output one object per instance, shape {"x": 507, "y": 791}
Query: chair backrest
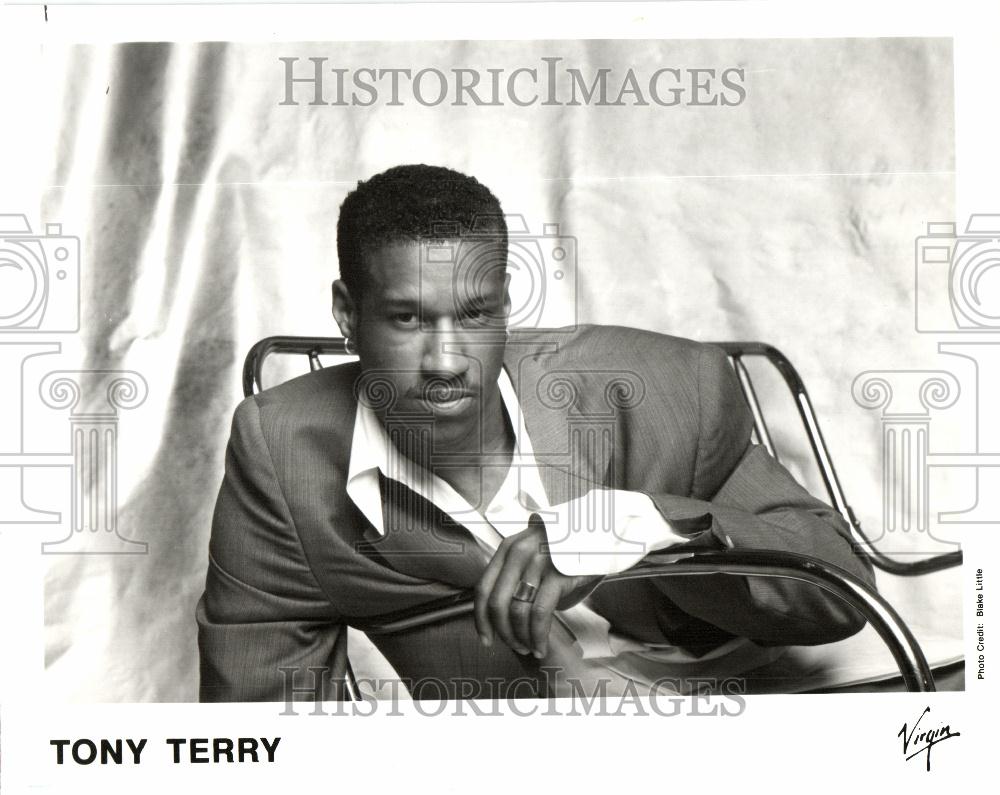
{"x": 315, "y": 347}
{"x": 310, "y": 347}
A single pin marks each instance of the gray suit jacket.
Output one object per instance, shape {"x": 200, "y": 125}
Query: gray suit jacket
{"x": 292, "y": 560}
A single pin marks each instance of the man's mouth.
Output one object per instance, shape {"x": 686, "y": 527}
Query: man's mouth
{"x": 445, "y": 396}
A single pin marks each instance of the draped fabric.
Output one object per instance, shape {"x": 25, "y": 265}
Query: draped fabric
{"x": 206, "y": 211}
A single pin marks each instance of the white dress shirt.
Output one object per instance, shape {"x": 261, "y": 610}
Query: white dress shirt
{"x": 581, "y": 645}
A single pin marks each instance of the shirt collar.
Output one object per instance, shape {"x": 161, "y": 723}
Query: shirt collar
{"x": 372, "y": 452}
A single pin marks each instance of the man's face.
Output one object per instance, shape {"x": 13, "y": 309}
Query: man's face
{"x": 429, "y": 329}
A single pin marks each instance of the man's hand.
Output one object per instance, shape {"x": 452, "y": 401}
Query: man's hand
{"x": 522, "y": 625}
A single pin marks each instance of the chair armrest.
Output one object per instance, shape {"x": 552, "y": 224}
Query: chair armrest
{"x": 880, "y": 614}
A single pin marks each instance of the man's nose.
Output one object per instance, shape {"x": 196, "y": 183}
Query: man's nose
{"x": 443, "y": 351}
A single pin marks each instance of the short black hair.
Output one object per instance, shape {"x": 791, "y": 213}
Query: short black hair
{"x": 412, "y": 202}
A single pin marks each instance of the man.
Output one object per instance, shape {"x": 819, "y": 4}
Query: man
{"x": 524, "y": 465}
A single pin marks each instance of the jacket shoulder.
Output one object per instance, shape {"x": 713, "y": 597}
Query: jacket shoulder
{"x": 616, "y": 346}
{"x": 325, "y": 396}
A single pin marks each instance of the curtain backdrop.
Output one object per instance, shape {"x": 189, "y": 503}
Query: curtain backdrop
{"x": 206, "y": 212}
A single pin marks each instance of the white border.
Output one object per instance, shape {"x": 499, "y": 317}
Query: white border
{"x": 815, "y": 742}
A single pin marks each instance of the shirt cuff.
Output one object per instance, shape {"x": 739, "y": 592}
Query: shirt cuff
{"x": 606, "y": 531}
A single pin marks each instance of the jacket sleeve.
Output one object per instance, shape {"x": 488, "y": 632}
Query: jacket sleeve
{"x": 266, "y": 631}
{"x": 743, "y": 498}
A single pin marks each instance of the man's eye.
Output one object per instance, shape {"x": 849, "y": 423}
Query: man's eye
{"x": 404, "y": 318}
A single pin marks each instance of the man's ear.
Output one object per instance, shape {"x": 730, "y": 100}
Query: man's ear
{"x": 506, "y": 297}
{"x": 345, "y": 311}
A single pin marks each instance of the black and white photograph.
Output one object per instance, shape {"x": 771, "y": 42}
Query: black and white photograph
{"x": 374, "y": 370}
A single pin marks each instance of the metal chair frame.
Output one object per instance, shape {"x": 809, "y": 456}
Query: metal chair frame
{"x": 909, "y": 657}
{"x": 737, "y": 351}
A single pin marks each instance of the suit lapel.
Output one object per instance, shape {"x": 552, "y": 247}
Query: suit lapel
{"x": 423, "y": 541}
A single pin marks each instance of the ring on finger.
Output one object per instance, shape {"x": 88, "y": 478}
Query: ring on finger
{"x": 525, "y": 592}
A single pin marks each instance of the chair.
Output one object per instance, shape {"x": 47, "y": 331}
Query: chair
{"x": 906, "y": 652}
